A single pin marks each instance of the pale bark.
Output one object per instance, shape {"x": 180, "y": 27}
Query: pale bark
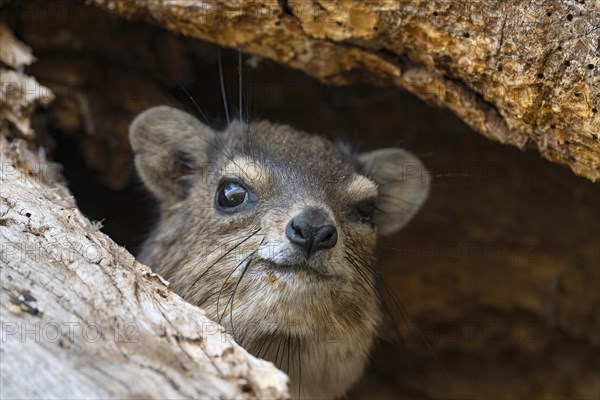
{"x": 523, "y": 73}
{"x": 81, "y": 318}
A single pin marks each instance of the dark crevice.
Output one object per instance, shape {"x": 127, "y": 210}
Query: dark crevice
{"x": 285, "y": 7}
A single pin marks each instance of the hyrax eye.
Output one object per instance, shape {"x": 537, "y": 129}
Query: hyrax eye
{"x": 363, "y": 213}
{"x": 231, "y": 195}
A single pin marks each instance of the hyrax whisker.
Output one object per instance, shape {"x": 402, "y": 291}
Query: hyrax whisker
{"x": 232, "y": 297}
{"x": 377, "y": 279}
{"x": 223, "y": 256}
{"x": 192, "y": 100}
{"x": 289, "y": 350}
{"x": 362, "y": 274}
{"x": 405, "y": 315}
{"x": 383, "y": 303}
{"x": 300, "y": 386}
{"x": 222, "y": 80}
{"x": 276, "y": 355}
{"x": 305, "y": 215}
{"x": 223, "y": 245}
{"x": 240, "y": 82}
{"x": 280, "y": 349}
{"x": 225, "y": 282}
{"x": 259, "y": 350}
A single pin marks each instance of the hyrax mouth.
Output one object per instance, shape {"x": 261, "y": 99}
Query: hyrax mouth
{"x": 297, "y": 269}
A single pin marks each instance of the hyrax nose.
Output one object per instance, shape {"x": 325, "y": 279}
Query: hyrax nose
{"x": 312, "y": 230}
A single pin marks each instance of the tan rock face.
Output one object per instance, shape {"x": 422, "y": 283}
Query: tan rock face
{"x": 523, "y": 72}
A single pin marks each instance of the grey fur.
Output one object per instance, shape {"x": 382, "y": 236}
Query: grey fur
{"x": 316, "y": 319}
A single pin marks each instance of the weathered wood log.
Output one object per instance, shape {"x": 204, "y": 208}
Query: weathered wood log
{"x": 524, "y": 73}
{"x": 19, "y": 94}
{"x": 79, "y": 316}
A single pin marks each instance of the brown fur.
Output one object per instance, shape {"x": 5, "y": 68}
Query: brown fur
{"x": 318, "y": 320}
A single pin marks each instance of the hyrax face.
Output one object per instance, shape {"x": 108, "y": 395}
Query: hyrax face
{"x": 272, "y": 232}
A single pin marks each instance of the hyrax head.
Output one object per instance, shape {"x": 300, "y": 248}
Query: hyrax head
{"x": 272, "y": 230}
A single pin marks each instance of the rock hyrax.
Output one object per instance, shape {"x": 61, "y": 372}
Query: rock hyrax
{"x": 272, "y": 231}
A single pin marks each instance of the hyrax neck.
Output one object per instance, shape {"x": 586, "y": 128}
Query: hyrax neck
{"x": 320, "y": 366}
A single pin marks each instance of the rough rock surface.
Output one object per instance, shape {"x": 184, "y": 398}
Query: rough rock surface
{"x": 525, "y": 73}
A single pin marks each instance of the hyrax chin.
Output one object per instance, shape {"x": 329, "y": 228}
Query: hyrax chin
{"x": 272, "y": 232}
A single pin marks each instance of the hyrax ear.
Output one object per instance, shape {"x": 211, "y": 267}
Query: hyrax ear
{"x": 168, "y": 145}
{"x": 403, "y": 186}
